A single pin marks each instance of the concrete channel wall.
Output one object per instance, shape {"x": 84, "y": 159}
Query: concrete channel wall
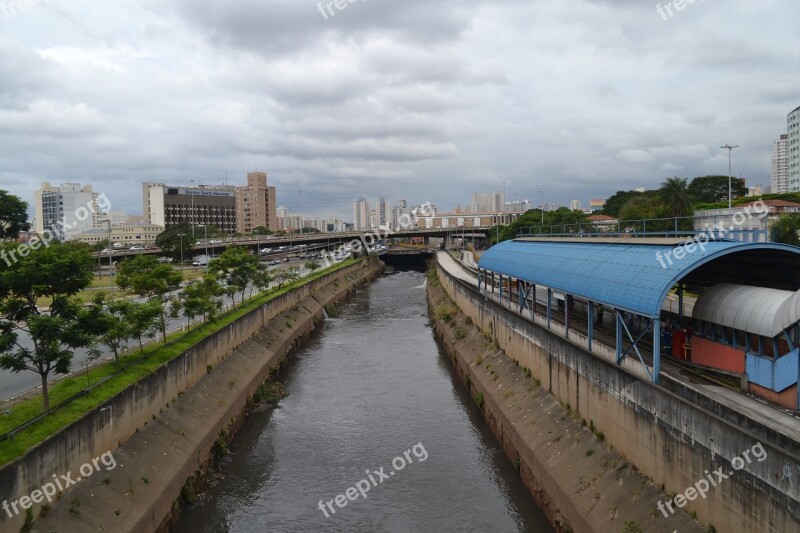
{"x": 109, "y": 425}
{"x": 671, "y": 434}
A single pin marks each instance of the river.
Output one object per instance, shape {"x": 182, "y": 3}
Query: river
{"x": 373, "y": 407}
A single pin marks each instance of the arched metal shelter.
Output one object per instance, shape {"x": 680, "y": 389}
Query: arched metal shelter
{"x": 635, "y": 275}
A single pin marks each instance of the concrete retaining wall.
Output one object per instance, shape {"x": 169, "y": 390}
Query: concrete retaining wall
{"x": 110, "y": 424}
{"x": 671, "y": 433}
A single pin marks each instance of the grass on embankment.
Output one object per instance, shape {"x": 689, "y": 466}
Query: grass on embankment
{"x": 140, "y": 367}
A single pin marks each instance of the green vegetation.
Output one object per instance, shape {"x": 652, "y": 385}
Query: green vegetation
{"x": 58, "y": 271}
{"x": 146, "y": 277}
{"x": 786, "y": 229}
{"x": 136, "y": 367}
{"x": 236, "y": 268}
{"x": 479, "y": 400}
{"x": 177, "y": 240}
{"x": 632, "y": 527}
{"x": 13, "y": 215}
{"x": 271, "y": 393}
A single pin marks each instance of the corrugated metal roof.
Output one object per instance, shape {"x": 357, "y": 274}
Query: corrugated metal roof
{"x": 758, "y": 310}
{"x": 630, "y": 276}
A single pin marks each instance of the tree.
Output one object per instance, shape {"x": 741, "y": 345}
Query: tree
{"x": 57, "y": 271}
{"x": 617, "y": 201}
{"x": 786, "y": 229}
{"x": 643, "y": 207}
{"x": 112, "y": 320}
{"x": 13, "y": 215}
{"x": 261, "y": 230}
{"x": 263, "y": 278}
{"x": 200, "y": 297}
{"x": 312, "y": 265}
{"x": 237, "y": 268}
{"x": 714, "y": 189}
{"x": 102, "y": 245}
{"x": 172, "y": 244}
{"x": 144, "y": 320}
{"x": 287, "y": 276}
{"x": 674, "y": 194}
{"x": 145, "y": 276}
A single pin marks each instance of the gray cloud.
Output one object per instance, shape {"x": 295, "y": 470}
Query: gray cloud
{"x": 424, "y": 100}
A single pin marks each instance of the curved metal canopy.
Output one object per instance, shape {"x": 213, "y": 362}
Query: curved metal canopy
{"x": 637, "y": 277}
{"x": 757, "y": 310}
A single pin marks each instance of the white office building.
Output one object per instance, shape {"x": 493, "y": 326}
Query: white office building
{"x": 68, "y": 210}
{"x": 793, "y": 149}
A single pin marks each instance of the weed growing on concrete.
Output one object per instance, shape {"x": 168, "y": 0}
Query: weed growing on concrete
{"x": 74, "y": 506}
{"x": 270, "y": 393}
{"x": 209, "y": 368}
{"x": 632, "y": 526}
{"x": 479, "y": 360}
{"x": 188, "y": 492}
{"x": 479, "y": 400}
{"x": 461, "y": 332}
{"x": 589, "y": 452}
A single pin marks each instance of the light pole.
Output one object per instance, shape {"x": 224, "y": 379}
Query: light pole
{"x": 110, "y": 262}
{"x": 191, "y": 212}
{"x": 205, "y": 235}
{"x": 181, "y": 235}
{"x": 542, "y": 193}
{"x": 729, "y": 148}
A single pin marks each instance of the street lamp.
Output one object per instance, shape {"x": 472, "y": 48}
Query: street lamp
{"x": 191, "y": 212}
{"x": 729, "y": 148}
{"x": 110, "y": 262}
{"x": 205, "y": 232}
{"x": 542, "y": 193}
{"x": 181, "y": 235}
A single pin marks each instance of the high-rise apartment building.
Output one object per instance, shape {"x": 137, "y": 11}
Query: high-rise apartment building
{"x": 167, "y": 205}
{"x": 793, "y": 149}
{"x": 488, "y": 202}
{"x": 361, "y": 214}
{"x": 255, "y": 205}
{"x": 397, "y": 215}
{"x": 382, "y": 212}
{"x": 68, "y": 210}
{"x": 780, "y": 166}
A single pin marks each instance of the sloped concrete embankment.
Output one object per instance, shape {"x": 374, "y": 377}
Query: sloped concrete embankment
{"x": 580, "y": 482}
{"x": 162, "y": 429}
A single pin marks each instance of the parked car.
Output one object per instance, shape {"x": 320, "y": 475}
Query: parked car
{"x": 151, "y": 247}
{"x": 105, "y": 251}
{"x": 136, "y": 248}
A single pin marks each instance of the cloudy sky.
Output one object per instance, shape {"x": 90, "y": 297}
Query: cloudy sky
{"x": 428, "y": 100}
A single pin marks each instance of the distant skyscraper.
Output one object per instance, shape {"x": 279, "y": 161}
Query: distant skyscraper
{"x": 77, "y": 209}
{"x": 397, "y": 214}
{"x": 361, "y": 214}
{"x": 575, "y": 205}
{"x": 780, "y": 166}
{"x": 383, "y": 211}
{"x": 793, "y": 149}
{"x": 488, "y": 202}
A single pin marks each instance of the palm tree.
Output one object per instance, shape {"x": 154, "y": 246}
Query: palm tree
{"x": 675, "y": 194}
{"x": 786, "y": 229}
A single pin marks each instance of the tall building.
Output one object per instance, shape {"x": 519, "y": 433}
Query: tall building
{"x": 793, "y": 149}
{"x": 383, "y": 212}
{"x": 68, "y": 210}
{"x": 167, "y": 205}
{"x": 575, "y": 205}
{"x": 780, "y": 166}
{"x": 361, "y": 214}
{"x": 397, "y": 215}
{"x": 488, "y": 202}
{"x": 255, "y": 205}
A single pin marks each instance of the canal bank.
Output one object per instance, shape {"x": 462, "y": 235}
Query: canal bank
{"x": 164, "y": 460}
{"x": 365, "y": 388}
{"x": 580, "y": 482}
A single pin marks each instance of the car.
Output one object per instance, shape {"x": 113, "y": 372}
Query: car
{"x": 214, "y": 241}
{"x": 136, "y": 248}
{"x": 105, "y": 251}
{"x": 151, "y": 247}
{"x": 285, "y": 260}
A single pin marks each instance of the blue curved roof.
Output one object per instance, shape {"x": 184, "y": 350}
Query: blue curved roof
{"x": 631, "y": 276}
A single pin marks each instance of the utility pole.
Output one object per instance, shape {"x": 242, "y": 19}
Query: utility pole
{"x": 191, "y": 213}
{"x": 110, "y": 262}
{"x": 542, "y": 193}
{"x": 181, "y": 235}
{"x": 729, "y": 148}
